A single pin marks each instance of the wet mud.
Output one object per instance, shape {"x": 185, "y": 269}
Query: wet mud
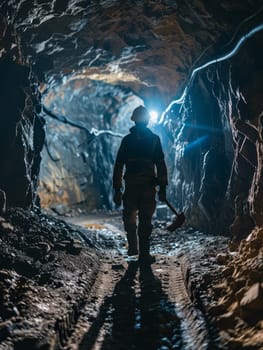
{"x": 138, "y": 314}
{"x": 81, "y": 292}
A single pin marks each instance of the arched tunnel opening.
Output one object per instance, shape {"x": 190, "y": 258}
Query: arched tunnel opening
{"x": 72, "y": 74}
{"x": 95, "y": 115}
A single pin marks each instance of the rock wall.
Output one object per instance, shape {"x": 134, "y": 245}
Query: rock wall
{"x": 136, "y": 48}
{"x": 21, "y": 132}
{"x": 216, "y": 167}
{"x": 77, "y": 165}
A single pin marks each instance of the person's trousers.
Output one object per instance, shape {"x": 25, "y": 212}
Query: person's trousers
{"x": 138, "y": 208}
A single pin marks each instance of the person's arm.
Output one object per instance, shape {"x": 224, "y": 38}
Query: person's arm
{"x": 118, "y": 175}
{"x": 118, "y": 168}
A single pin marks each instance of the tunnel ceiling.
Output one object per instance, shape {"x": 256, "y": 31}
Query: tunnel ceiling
{"x": 148, "y": 46}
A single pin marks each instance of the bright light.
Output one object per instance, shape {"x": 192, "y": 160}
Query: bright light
{"x": 154, "y": 116}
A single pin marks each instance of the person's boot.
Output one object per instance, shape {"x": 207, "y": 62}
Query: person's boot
{"x": 144, "y": 251}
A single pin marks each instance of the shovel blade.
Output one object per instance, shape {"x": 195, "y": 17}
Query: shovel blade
{"x": 180, "y": 219}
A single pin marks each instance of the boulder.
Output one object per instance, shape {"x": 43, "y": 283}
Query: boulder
{"x": 252, "y": 304}
{"x": 253, "y": 298}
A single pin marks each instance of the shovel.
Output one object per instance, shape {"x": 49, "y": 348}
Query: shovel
{"x": 178, "y": 221}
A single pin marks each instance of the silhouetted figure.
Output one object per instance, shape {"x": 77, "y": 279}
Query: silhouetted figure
{"x": 142, "y": 156}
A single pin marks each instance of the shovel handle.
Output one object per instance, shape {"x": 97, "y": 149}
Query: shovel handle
{"x": 171, "y": 207}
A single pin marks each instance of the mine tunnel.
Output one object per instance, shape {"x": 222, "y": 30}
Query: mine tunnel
{"x": 72, "y": 74}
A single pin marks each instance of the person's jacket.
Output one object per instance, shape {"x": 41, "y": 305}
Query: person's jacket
{"x": 142, "y": 156}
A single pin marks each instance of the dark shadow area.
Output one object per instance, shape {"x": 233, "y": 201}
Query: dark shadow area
{"x": 123, "y": 307}
{"x": 122, "y": 296}
{"x": 136, "y": 318}
{"x": 159, "y": 326}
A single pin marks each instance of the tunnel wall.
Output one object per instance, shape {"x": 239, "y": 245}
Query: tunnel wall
{"x": 77, "y": 165}
{"x": 21, "y": 132}
{"x": 216, "y": 166}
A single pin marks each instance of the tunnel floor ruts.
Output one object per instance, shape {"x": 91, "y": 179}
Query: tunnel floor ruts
{"x": 136, "y": 307}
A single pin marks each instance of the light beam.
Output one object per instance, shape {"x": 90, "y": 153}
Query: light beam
{"x": 153, "y": 116}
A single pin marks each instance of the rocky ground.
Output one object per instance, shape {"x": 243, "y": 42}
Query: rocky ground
{"x": 66, "y": 286}
{"x": 47, "y": 269}
{"x": 237, "y": 304}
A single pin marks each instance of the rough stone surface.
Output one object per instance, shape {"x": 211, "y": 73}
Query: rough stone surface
{"x": 216, "y": 164}
{"x": 79, "y": 170}
{"x": 148, "y": 50}
{"x": 144, "y": 41}
{"x": 46, "y": 272}
{"x": 213, "y": 141}
{"x": 21, "y": 135}
{"x": 235, "y": 294}
{"x": 253, "y": 299}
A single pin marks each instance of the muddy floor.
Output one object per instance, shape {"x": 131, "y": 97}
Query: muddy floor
{"x": 148, "y": 307}
{"x": 65, "y": 283}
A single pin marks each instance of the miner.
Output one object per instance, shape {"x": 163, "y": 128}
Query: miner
{"x": 141, "y": 159}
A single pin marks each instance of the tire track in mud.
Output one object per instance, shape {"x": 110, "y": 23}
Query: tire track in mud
{"x": 193, "y": 326}
{"x": 141, "y": 308}
{"x": 89, "y": 329}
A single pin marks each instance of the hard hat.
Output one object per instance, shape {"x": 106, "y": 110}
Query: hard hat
{"x": 140, "y": 115}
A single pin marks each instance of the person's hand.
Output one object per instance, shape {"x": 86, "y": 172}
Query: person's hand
{"x": 117, "y": 198}
{"x": 162, "y": 194}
